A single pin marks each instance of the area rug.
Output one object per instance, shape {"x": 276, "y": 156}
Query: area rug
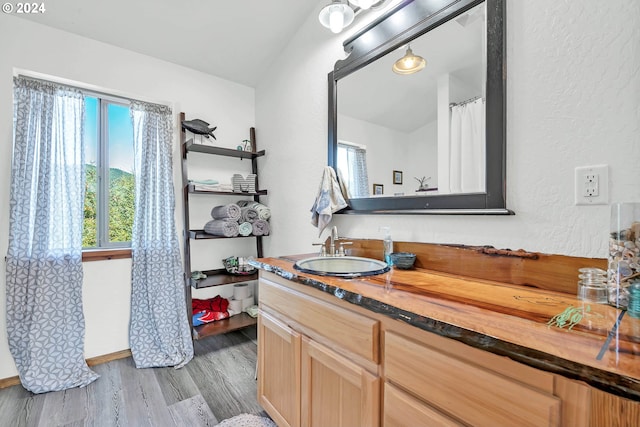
{"x": 247, "y": 420}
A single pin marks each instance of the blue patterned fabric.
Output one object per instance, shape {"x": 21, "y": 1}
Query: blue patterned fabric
{"x": 159, "y": 332}
{"x": 45, "y": 322}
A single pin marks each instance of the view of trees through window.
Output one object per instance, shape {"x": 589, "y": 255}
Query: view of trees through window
{"x": 109, "y": 193}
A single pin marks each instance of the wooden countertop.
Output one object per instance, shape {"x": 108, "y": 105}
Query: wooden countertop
{"x": 505, "y": 319}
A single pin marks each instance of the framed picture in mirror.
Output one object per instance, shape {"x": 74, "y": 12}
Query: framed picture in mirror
{"x": 378, "y": 189}
{"x": 397, "y": 177}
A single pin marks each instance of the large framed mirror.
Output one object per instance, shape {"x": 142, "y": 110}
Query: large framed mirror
{"x": 429, "y": 142}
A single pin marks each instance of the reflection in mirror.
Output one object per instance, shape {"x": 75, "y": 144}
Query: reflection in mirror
{"x": 430, "y": 124}
{"x": 442, "y": 127}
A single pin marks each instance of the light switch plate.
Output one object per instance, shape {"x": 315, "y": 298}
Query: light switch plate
{"x": 592, "y": 185}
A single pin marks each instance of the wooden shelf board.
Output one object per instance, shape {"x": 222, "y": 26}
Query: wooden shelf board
{"x": 200, "y": 234}
{"x": 220, "y": 277}
{"x": 220, "y": 151}
{"x": 218, "y": 327}
{"x": 192, "y": 190}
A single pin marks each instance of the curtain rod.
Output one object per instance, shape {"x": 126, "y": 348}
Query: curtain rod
{"x": 466, "y": 101}
{"x": 87, "y": 89}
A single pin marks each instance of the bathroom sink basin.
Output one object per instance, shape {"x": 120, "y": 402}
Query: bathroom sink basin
{"x": 342, "y": 266}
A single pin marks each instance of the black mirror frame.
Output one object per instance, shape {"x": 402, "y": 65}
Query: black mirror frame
{"x": 382, "y": 37}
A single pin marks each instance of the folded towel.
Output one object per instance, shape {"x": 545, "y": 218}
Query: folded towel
{"x": 328, "y": 201}
{"x": 245, "y": 229}
{"x": 263, "y": 210}
{"x": 204, "y": 181}
{"x": 219, "y": 227}
{"x": 261, "y": 228}
{"x": 214, "y": 187}
{"x": 248, "y": 214}
{"x": 230, "y": 211}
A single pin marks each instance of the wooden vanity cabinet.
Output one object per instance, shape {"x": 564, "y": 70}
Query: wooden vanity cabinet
{"x": 317, "y": 362}
{"x": 325, "y": 362}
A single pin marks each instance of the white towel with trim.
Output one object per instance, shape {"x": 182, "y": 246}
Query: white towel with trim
{"x": 328, "y": 201}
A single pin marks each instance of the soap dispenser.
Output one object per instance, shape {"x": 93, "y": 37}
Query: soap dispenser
{"x": 387, "y": 244}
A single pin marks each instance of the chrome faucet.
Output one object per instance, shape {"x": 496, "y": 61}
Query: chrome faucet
{"x": 334, "y": 237}
{"x": 333, "y": 242}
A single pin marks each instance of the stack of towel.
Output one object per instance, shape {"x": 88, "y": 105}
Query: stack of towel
{"x": 244, "y": 218}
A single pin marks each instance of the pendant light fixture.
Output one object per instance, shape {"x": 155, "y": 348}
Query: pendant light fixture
{"x": 409, "y": 63}
{"x": 336, "y": 16}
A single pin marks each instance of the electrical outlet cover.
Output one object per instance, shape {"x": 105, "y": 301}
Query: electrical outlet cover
{"x": 592, "y": 185}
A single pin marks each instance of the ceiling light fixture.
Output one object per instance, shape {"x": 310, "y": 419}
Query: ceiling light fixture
{"x": 409, "y": 63}
{"x": 362, "y": 4}
{"x": 336, "y": 16}
{"x": 339, "y": 14}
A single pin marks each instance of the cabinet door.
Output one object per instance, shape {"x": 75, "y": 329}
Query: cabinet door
{"x": 335, "y": 391}
{"x": 279, "y": 371}
{"x": 403, "y": 410}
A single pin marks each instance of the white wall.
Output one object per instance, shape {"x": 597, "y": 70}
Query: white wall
{"x": 30, "y": 46}
{"x": 573, "y": 100}
{"x": 388, "y": 150}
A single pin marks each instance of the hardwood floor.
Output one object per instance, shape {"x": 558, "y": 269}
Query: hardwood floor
{"x": 217, "y": 384}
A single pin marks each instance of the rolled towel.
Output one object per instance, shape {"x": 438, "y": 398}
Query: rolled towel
{"x": 248, "y": 214}
{"x": 219, "y": 227}
{"x": 261, "y": 228}
{"x": 263, "y": 210}
{"x": 230, "y": 211}
{"x": 245, "y": 228}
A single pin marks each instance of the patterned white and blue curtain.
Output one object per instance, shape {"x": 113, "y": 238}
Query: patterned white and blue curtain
{"x": 45, "y": 322}
{"x": 159, "y": 332}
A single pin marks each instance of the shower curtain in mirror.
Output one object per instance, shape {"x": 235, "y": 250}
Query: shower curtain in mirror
{"x": 467, "y": 156}
{"x": 45, "y": 322}
{"x": 159, "y": 331}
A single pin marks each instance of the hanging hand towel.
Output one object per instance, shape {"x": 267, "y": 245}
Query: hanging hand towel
{"x": 328, "y": 201}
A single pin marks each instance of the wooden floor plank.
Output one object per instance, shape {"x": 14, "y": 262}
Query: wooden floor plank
{"x": 217, "y": 384}
{"x": 66, "y": 407}
{"x": 176, "y": 385}
{"x": 193, "y": 412}
{"x": 105, "y": 400}
{"x": 224, "y": 374}
{"x": 144, "y": 402}
{"x": 21, "y": 407}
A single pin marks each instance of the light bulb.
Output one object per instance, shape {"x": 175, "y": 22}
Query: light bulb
{"x": 336, "y": 20}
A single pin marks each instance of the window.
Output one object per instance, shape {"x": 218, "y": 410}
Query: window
{"x": 109, "y": 196}
{"x": 352, "y": 167}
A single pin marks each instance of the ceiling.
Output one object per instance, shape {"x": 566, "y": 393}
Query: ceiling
{"x": 235, "y": 40}
{"x": 406, "y": 103}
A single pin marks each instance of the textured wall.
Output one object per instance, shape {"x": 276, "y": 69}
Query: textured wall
{"x": 573, "y": 100}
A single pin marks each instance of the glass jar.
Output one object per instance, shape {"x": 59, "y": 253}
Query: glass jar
{"x": 624, "y": 251}
{"x": 592, "y": 286}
